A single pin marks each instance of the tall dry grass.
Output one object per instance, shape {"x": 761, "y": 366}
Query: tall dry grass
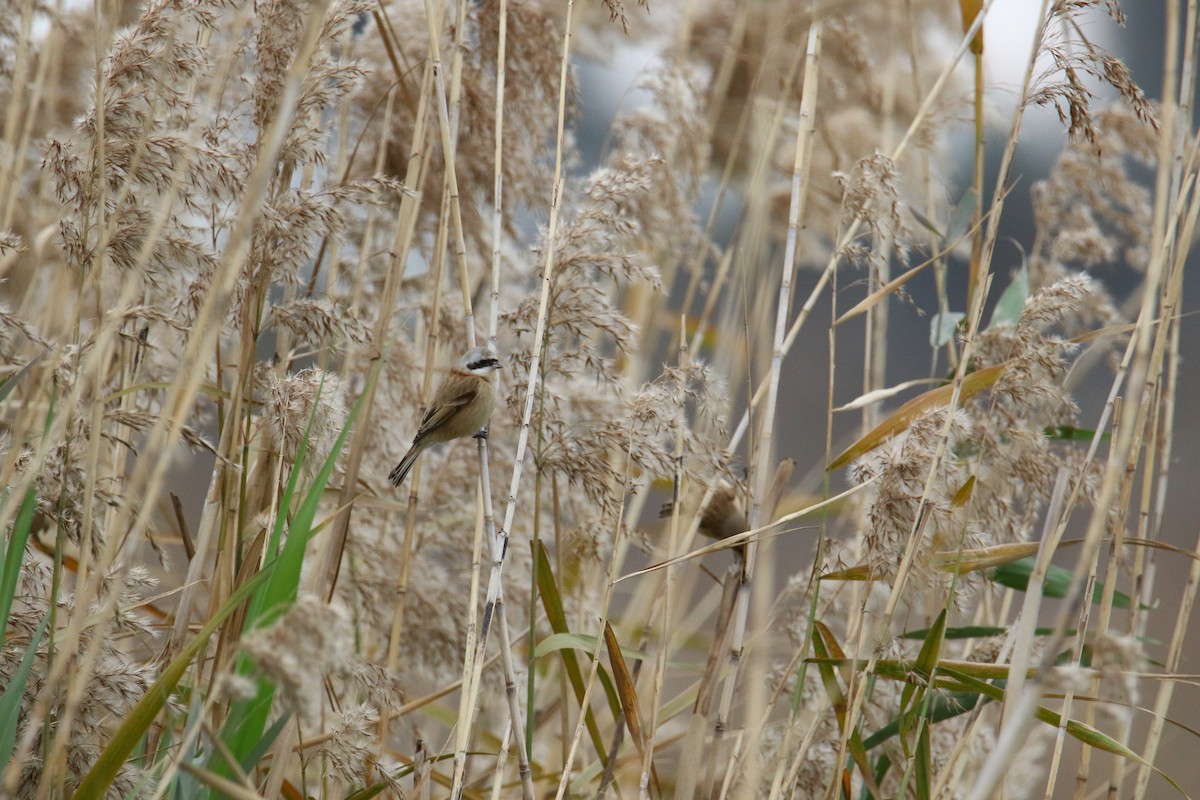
{"x": 241, "y": 241}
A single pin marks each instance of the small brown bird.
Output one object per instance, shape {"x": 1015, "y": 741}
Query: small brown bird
{"x": 461, "y": 406}
{"x": 724, "y": 515}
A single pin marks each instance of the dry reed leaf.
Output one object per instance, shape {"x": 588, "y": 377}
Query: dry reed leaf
{"x": 626, "y": 690}
{"x": 879, "y": 395}
{"x": 954, "y": 561}
{"x": 972, "y": 384}
{"x": 964, "y": 493}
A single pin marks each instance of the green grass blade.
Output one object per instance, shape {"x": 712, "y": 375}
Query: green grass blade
{"x": 14, "y": 554}
{"x": 368, "y": 792}
{"x": 1057, "y": 583}
{"x": 565, "y": 641}
{"x": 825, "y": 645}
{"x": 587, "y": 643}
{"x": 10, "y": 701}
{"x": 914, "y": 697}
{"x": 927, "y": 661}
{"x": 1010, "y": 305}
{"x": 10, "y": 383}
{"x": 557, "y": 617}
{"x": 265, "y": 742}
{"x": 943, "y": 706}
{"x": 244, "y": 730}
{"x": 833, "y": 689}
{"x": 14, "y": 549}
{"x": 924, "y": 766}
{"x": 969, "y": 632}
{"x": 1081, "y": 732}
{"x": 1069, "y": 433}
{"x": 183, "y": 785}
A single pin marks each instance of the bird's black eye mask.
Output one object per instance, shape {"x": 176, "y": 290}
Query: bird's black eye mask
{"x": 486, "y": 362}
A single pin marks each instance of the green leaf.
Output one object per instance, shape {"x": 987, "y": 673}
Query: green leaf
{"x": 10, "y": 383}
{"x": 247, "y": 721}
{"x": 825, "y": 645}
{"x": 927, "y": 659}
{"x": 368, "y": 792}
{"x": 927, "y": 224}
{"x": 565, "y": 641}
{"x": 556, "y": 616}
{"x": 14, "y": 555}
{"x": 579, "y": 641}
{"x": 924, "y": 766}
{"x": 1010, "y": 305}
{"x": 1069, "y": 433}
{"x": 964, "y": 212}
{"x": 969, "y": 632}
{"x": 881, "y": 770}
{"x": 264, "y": 744}
{"x": 915, "y": 704}
{"x": 10, "y": 701}
{"x": 1080, "y": 731}
{"x": 959, "y": 222}
{"x": 1057, "y": 583}
{"x": 942, "y": 706}
{"x": 184, "y": 785}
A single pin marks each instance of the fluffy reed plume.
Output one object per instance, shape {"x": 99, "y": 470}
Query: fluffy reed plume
{"x": 119, "y": 665}
{"x": 261, "y": 230}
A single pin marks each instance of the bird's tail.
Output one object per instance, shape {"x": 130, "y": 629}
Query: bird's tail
{"x": 398, "y": 475}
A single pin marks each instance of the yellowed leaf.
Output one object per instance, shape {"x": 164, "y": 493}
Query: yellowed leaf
{"x": 972, "y": 384}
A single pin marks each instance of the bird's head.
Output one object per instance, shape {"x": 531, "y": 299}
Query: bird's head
{"x": 479, "y": 361}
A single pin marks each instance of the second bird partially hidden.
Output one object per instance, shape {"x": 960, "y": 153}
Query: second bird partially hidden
{"x": 461, "y": 406}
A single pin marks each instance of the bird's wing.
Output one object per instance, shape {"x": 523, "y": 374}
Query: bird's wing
{"x": 440, "y": 411}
